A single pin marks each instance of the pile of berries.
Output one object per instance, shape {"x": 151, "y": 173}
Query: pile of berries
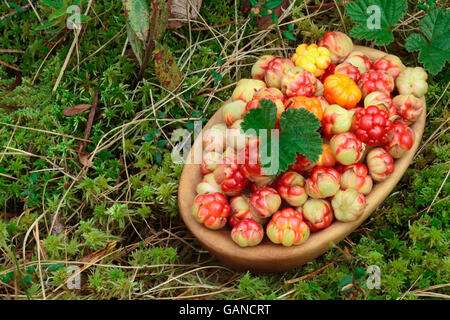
{"x": 365, "y": 108}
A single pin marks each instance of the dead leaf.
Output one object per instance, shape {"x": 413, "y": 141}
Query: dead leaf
{"x": 73, "y": 111}
{"x": 6, "y": 214}
{"x": 84, "y": 159}
{"x": 166, "y": 68}
{"x": 58, "y": 225}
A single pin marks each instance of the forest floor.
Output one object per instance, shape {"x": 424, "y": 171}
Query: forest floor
{"x": 117, "y": 218}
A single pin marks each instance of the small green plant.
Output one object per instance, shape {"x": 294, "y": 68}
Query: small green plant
{"x": 433, "y": 42}
{"x": 376, "y": 19}
{"x": 62, "y": 13}
{"x": 145, "y": 28}
{"x": 19, "y": 8}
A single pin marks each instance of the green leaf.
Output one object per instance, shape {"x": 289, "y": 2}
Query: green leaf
{"x": 58, "y": 13}
{"x": 434, "y": 48}
{"x": 20, "y": 10}
{"x": 158, "y": 157}
{"x": 27, "y": 279}
{"x": 148, "y": 137}
{"x": 253, "y": 3}
{"x": 53, "y": 4}
{"x": 217, "y": 77}
{"x": 272, "y": 4}
{"x": 136, "y": 44}
{"x": 46, "y": 25}
{"x": 289, "y": 35}
{"x": 138, "y": 17}
{"x": 190, "y": 125}
{"x": 274, "y": 17}
{"x": 197, "y": 113}
{"x": 161, "y": 115}
{"x": 261, "y": 118}
{"x": 299, "y": 134}
{"x": 13, "y": 4}
{"x": 375, "y": 18}
{"x": 162, "y": 143}
{"x": 166, "y": 68}
{"x": 359, "y": 273}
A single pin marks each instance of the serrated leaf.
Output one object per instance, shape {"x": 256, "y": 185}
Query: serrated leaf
{"x": 266, "y": 156}
{"x": 166, "y": 68}
{"x": 299, "y": 134}
{"x": 289, "y": 35}
{"x": 262, "y": 118}
{"x": 375, "y": 18}
{"x": 58, "y": 13}
{"x": 138, "y": 17}
{"x": 52, "y": 4}
{"x": 136, "y": 44}
{"x": 434, "y": 48}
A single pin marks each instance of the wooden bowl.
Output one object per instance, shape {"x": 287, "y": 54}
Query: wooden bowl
{"x": 269, "y": 257}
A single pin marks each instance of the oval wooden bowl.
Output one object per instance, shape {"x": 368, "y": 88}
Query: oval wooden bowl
{"x": 269, "y": 257}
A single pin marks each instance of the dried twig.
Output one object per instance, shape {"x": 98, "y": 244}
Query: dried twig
{"x": 312, "y": 274}
{"x": 16, "y": 83}
{"x": 10, "y": 66}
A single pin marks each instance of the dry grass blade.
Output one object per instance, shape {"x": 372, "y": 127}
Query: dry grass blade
{"x": 312, "y": 274}
{"x": 10, "y": 66}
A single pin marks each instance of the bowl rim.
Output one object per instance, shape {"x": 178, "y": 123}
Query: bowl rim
{"x": 270, "y": 257}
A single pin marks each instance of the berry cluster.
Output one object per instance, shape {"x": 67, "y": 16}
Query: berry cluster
{"x": 365, "y": 108}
